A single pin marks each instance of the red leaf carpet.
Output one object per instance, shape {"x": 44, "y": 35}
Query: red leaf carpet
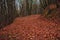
{"x": 34, "y": 27}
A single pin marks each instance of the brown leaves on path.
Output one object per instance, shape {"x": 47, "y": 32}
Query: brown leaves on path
{"x": 34, "y": 27}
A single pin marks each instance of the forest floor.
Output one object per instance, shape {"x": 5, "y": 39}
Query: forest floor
{"x": 34, "y": 27}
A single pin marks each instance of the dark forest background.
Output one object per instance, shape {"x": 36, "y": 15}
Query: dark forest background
{"x": 10, "y": 9}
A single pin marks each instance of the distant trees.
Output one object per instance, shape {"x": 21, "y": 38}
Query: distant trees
{"x": 10, "y": 9}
